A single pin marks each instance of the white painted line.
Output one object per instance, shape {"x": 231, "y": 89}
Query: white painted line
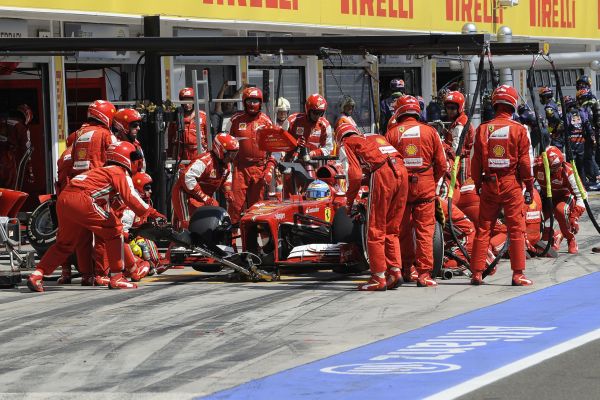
{"x": 512, "y": 368}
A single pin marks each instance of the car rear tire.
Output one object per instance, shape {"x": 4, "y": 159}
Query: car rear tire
{"x": 42, "y": 227}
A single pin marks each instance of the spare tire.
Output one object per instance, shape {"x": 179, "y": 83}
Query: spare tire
{"x": 209, "y": 227}
{"x": 42, "y": 226}
{"x": 438, "y": 250}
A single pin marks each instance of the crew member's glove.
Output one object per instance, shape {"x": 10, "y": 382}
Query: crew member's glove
{"x": 353, "y": 212}
{"x": 229, "y": 196}
{"x": 528, "y": 195}
{"x": 204, "y": 198}
{"x": 574, "y": 226}
{"x": 267, "y": 177}
{"x": 574, "y": 217}
{"x": 158, "y": 217}
{"x": 211, "y": 202}
{"x": 577, "y": 211}
{"x": 301, "y": 142}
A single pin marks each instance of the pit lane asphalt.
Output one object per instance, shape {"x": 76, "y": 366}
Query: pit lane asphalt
{"x": 184, "y": 334}
{"x": 572, "y": 375}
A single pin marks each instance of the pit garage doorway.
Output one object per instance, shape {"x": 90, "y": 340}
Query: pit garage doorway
{"x": 27, "y": 83}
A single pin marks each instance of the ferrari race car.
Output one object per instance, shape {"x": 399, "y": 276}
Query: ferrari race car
{"x": 295, "y": 233}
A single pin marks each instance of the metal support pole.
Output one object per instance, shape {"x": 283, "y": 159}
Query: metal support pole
{"x": 506, "y": 74}
{"x": 153, "y": 139}
{"x": 470, "y": 80}
{"x": 206, "y": 102}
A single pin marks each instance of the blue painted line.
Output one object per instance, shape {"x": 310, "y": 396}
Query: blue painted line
{"x": 437, "y": 357}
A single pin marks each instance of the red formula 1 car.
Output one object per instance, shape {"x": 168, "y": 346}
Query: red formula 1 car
{"x": 294, "y": 233}
{"x": 297, "y": 233}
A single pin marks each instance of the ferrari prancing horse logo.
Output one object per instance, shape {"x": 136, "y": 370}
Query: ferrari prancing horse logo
{"x": 328, "y": 214}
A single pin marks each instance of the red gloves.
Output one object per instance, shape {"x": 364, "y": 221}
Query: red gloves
{"x": 211, "y": 202}
{"x": 577, "y": 212}
{"x": 228, "y": 196}
{"x": 267, "y": 175}
{"x": 154, "y": 214}
{"x": 574, "y": 217}
{"x": 301, "y": 142}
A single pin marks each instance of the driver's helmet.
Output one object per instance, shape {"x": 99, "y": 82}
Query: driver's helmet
{"x": 317, "y": 190}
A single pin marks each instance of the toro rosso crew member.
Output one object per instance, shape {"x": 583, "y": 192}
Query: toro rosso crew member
{"x": 578, "y": 131}
{"x": 198, "y": 182}
{"x": 252, "y": 171}
{"x": 566, "y": 197}
{"x": 186, "y": 147}
{"x": 397, "y": 89}
{"x": 83, "y": 209}
{"x": 421, "y": 149}
{"x": 93, "y": 138}
{"x": 387, "y": 196}
{"x": 553, "y": 115}
{"x": 590, "y": 108}
{"x": 501, "y": 163}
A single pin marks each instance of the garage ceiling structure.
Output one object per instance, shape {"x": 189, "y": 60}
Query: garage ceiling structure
{"x": 154, "y": 47}
{"x": 434, "y": 44}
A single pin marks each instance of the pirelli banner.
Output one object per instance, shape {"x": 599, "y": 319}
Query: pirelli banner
{"x": 536, "y": 18}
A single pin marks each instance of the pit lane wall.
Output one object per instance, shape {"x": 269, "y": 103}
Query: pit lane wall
{"x": 573, "y": 19}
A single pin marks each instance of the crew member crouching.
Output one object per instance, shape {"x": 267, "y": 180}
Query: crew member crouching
{"x": 199, "y": 181}
{"x": 566, "y": 197}
{"x": 83, "y": 209}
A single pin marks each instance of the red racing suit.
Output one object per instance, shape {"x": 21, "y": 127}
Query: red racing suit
{"x": 13, "y": 141}
{"x": 421, "y": 149}
{"x": 345, "y": 119}
{"x": 251, "y": 167}
{"x": 131, "y": 262}
{"x": 89, "y": 149}
{"x": 501, "y": 163}
{"x": 468, "y": 201}
{"x": 188, "y": 144}
{"x": 64, "y": 165}
{"x": 83, "y": 209}
{"x": 387, "y": 194}
{"x": 318, "y": 135}
{"x": 533, "y": 221}
{"x": 566, "y": 197}
{"x": 452, "y": 138}
{"x": 197, "y": 183}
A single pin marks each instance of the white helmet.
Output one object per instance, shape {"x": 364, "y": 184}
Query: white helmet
{"x": 345, "y": 101}
{"x": 282, "y": 104}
